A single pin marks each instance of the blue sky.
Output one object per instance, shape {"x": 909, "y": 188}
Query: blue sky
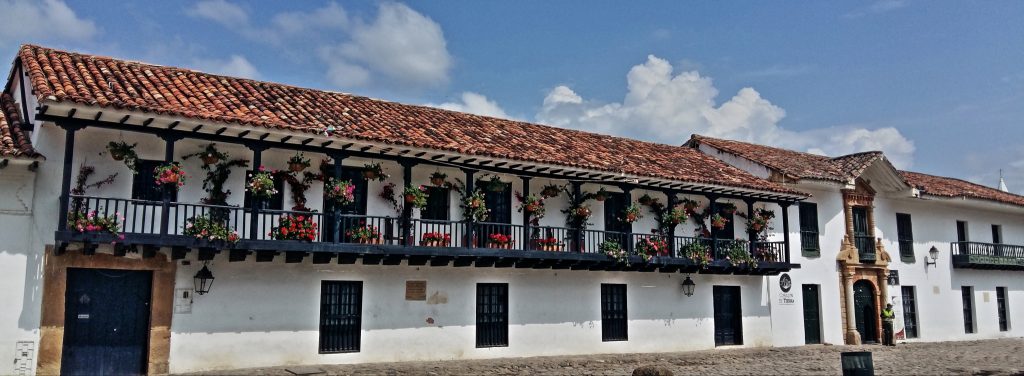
{"x": 937, "y": 85}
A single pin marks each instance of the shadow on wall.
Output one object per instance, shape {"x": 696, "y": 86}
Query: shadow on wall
{"x": 270, "y": 297}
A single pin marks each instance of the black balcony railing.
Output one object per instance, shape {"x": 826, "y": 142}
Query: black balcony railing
{"x": 865, "y": 247}
{"x": 809, "y": 241}
{"x": 987, "y": 255}
{"x": 142, "y": 220}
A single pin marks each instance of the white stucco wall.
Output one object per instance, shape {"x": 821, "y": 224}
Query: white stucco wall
{"x": 20, "y": 267}
{"x": 261, "y": 314}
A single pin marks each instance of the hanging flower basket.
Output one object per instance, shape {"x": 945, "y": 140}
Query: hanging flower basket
{"x": 374, "y": 171}
{"x": 210, "y": 159}
{"x": 718, "y": 221}
{"x": 728, "y": 208}
{"x": 646, "y": 199}
{"x": 631, "y": 213}
{"x": 495, "y": 185}
{"x": 601, "y": 195}
{"x": 298, "y": 162}
{"x": 416, "y": 197}
{"x": 437, "y": 178}
{"x": 169, "y": 175}
{"x": 550, "y": 190}
{"x": 261, "y": 185}
{"x": 341, "y": 192}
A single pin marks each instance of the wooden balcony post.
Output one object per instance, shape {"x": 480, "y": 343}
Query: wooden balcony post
{"x": 751, "y": 235}
{"x": 470, "y": 241}
{"x": 527, "y": 235}
{"x": 254, "y": 210}
{"x": 336, "y": 173}
{"x": 712, "y": 209}
{"x": 65, "y": 184}
{"x": 785, "y": 228}
{"x": 165, "y": 212}
{"x": 672, "y": 201}
{"x": 577, "y": 235}
{"x": 406, "y": 219}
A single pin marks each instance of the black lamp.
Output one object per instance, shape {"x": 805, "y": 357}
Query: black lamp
{"x": 688, "y": 286}
{"x": 203, "y": 280}
{"x": 933, "y": 256}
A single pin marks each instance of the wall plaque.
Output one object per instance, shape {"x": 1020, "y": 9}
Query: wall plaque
{"x": 415, "y": 290}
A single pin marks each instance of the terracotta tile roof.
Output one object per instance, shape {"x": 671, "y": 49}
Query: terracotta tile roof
{"x": 61, "y": 76}
{"x": 13, "y": 143}
{"x": 795, "y": 164}
{"x": 952, "y": 187}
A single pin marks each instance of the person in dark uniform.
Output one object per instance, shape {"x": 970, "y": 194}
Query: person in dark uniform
{"x": 887, "y": 316}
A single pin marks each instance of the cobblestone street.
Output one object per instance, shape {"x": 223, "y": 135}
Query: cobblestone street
{"x": 988, "y": 357}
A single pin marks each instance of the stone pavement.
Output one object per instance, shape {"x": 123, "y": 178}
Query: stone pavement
{"x": 985, "y": 357}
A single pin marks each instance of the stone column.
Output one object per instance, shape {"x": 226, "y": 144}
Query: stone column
{"x": 852, "y": 336}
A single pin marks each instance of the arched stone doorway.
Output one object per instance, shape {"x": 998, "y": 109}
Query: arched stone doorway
{"x": 866, "y": 311}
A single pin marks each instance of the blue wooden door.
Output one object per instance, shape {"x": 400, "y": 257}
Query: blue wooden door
{"x": 106, "y": 322}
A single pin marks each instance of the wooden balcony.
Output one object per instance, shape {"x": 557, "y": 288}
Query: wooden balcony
{"x": 975, "y": 255}
{"x": 144, "y": 226}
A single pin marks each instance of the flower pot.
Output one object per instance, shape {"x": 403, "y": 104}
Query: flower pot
{"x": 117, "y": 156}
{"x": 437, "y": 181}
{"x": 410, "y": 199}
{"x": 630, "y": 217}
{"x": 757, "y": 227}
{"x": 296, "y": 167}
{"x": 532, "y": 208}
{"x": 370, "y": 175}
{"x": 549, "y": 192}
{"x": 600, "y": 197}
{"x": 718, "y": 225}
{"x": 583, "y": 212}
{"x": 209, "y": 159}
{"x": 475, "y": 203}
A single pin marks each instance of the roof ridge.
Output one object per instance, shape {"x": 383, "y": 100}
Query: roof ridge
{"x": 351, "y": 95}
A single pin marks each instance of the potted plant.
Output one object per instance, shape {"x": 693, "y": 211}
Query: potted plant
{"x": 261, "y": 184}
{"x": 675, "y": 216}
{"x": 364, "y": 234}
{"x": 718, "y": 221}
{"x": 532, "y": 205}
{"x": 631, "y": 213}
{"x": 758, "y": 222}
{"x": 415, "y": 196}
{"x": 550, "y": 243}
{"x": 298, "y": 162}
{"x": 435, "y": 239}
{"x": 550, "y": 191}
{"x": 649, "y": 247}
{"x": 169, "y": 175}
{"x": 612, "y": 249}
{"x": 341, "y": 192}
{"x": 495, "y": 184}
{"x": 295, "y": 227}
{"x": 474, "y": 207}
{"x": 437, "y": 178}
{"x": 206, "y": 229}
{"x": 499, "y": 241}
{"x": 646, "y": 199}
{"x": 93, "y": 222}
{"x": 698, "y": 253}
{"x": 374, "y": 171}
{"x": 689, "y": 205}
{"x": 728, "y": 208}
{"x": 582, "y": 213}
{"x": 601, "y": 195}
{"x": 122, "y": 151}
{"x": 738, "y": 254}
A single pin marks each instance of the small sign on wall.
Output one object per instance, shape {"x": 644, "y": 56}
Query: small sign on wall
{"x": 416, "y": 290}
{"x": 786, "y": 284}
{"x": 23, "y": 357}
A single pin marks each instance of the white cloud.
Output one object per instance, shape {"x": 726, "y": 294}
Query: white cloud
{"x": 33, "y": 20}
{"x": 236, "y": 65}
{"x": 401, "y": 45}
{"x": 220, "y": 11}
{"x": 398, "y": 47}
{"x": 663, "y": 106}
{"x": 877, "y": 7}
{"x": 475, "y": 104}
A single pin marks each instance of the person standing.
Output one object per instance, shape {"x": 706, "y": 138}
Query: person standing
{"x": 887, "y": 316}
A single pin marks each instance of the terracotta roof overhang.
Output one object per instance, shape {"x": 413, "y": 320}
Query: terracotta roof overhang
{"x": 146, "y": 97}
{"x": 946, "y": 188}
{"x": 145, "y": 122}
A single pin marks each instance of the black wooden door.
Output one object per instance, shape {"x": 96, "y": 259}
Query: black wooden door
{"x": 865, "y": 311}
{"x": 812, "y": 315}
{"x": 614, "y": 205}
{"x": 350, "y": 212}
{"x": 106, "y": 322}
{"x": 499, "y": 205}
{"x": 728, "y": 317}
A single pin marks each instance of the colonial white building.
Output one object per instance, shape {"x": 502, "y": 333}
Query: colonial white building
{"x": 530, "y": 240}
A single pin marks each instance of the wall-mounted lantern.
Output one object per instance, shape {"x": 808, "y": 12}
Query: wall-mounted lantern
{"x": 688, "y": 286}
{"x": 933, "y": 256}
{"x": 203, "y": 280}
